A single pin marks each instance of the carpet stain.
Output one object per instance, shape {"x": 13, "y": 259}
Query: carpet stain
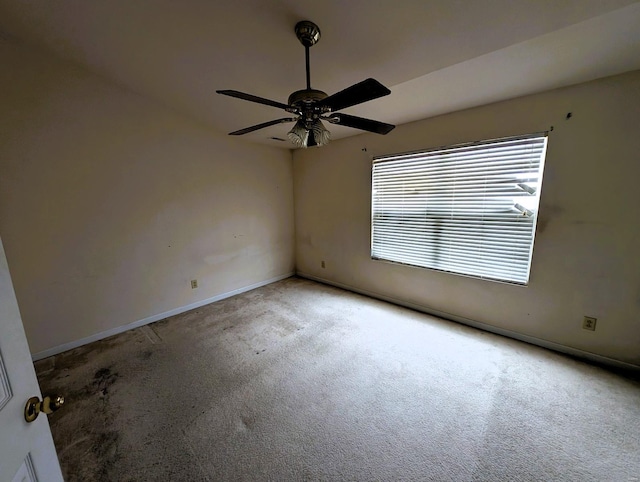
{"x": 145, "y": 355}
{"x": 89, "y": 415}
{"x": 247, "y": 421}
{"x": 103, "y": 379}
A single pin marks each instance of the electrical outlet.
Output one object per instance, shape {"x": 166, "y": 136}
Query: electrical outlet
{"x": 322, "y": 263}
{"x": 194, "y": 284}
{"x": 589, "y": 323}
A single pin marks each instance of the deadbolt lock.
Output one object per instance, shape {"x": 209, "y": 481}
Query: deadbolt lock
{"x": 49, "y": 404}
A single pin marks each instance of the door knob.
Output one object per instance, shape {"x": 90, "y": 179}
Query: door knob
{"x": 49, "y": 404}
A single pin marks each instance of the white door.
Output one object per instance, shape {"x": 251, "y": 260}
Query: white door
{"x": 27, "y": 452}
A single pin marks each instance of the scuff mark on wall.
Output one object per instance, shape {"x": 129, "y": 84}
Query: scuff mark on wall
{"x": 546, "y": 214}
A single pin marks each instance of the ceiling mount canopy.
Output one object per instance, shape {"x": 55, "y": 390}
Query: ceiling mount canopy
{"x": 308, "y": 33}
{"x": 309, "y": 107}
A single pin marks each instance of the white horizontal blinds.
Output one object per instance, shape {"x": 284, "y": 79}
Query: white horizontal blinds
{"x": 468, "y": 209}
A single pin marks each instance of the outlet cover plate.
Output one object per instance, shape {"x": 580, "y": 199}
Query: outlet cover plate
{"x": 589, "y": 323}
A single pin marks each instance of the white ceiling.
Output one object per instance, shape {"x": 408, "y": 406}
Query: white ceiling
{"x": 436, "y": 56}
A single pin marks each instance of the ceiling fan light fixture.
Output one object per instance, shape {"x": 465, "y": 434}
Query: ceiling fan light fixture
{"x": 320, "y": 133}
{"x": 316, "y": 135}
{"x": 299, "y": 135}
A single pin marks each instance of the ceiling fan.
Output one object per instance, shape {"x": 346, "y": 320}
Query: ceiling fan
{"x": 310, "y": 106}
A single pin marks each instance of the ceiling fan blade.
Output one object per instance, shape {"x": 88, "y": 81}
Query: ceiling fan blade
{"x": 361, "y": 123}
{"x": 246, "y": 130}
{"x": 356, "y": 94}
{"x": 252, "y": 98}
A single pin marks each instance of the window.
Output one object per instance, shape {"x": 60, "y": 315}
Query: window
{"x": 467, "y": 209}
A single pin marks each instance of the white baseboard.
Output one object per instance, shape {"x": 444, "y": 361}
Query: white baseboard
{"x": 482, "y": 326}
{"x": 151, "y": 319}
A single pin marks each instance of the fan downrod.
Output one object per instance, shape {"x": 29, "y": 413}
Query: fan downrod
{"x": 308, "y": 33}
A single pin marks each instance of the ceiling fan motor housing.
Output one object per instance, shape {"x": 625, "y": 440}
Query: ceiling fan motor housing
{"x": 306, "y": 98}
{"x": 304, "y": 103}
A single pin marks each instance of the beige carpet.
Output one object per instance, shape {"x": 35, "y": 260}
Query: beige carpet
{"x": 300, "y": 381}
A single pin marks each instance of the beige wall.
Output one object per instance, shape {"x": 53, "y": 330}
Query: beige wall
{"x": 586, "y": 259}
{"x": 110, "y": 204}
